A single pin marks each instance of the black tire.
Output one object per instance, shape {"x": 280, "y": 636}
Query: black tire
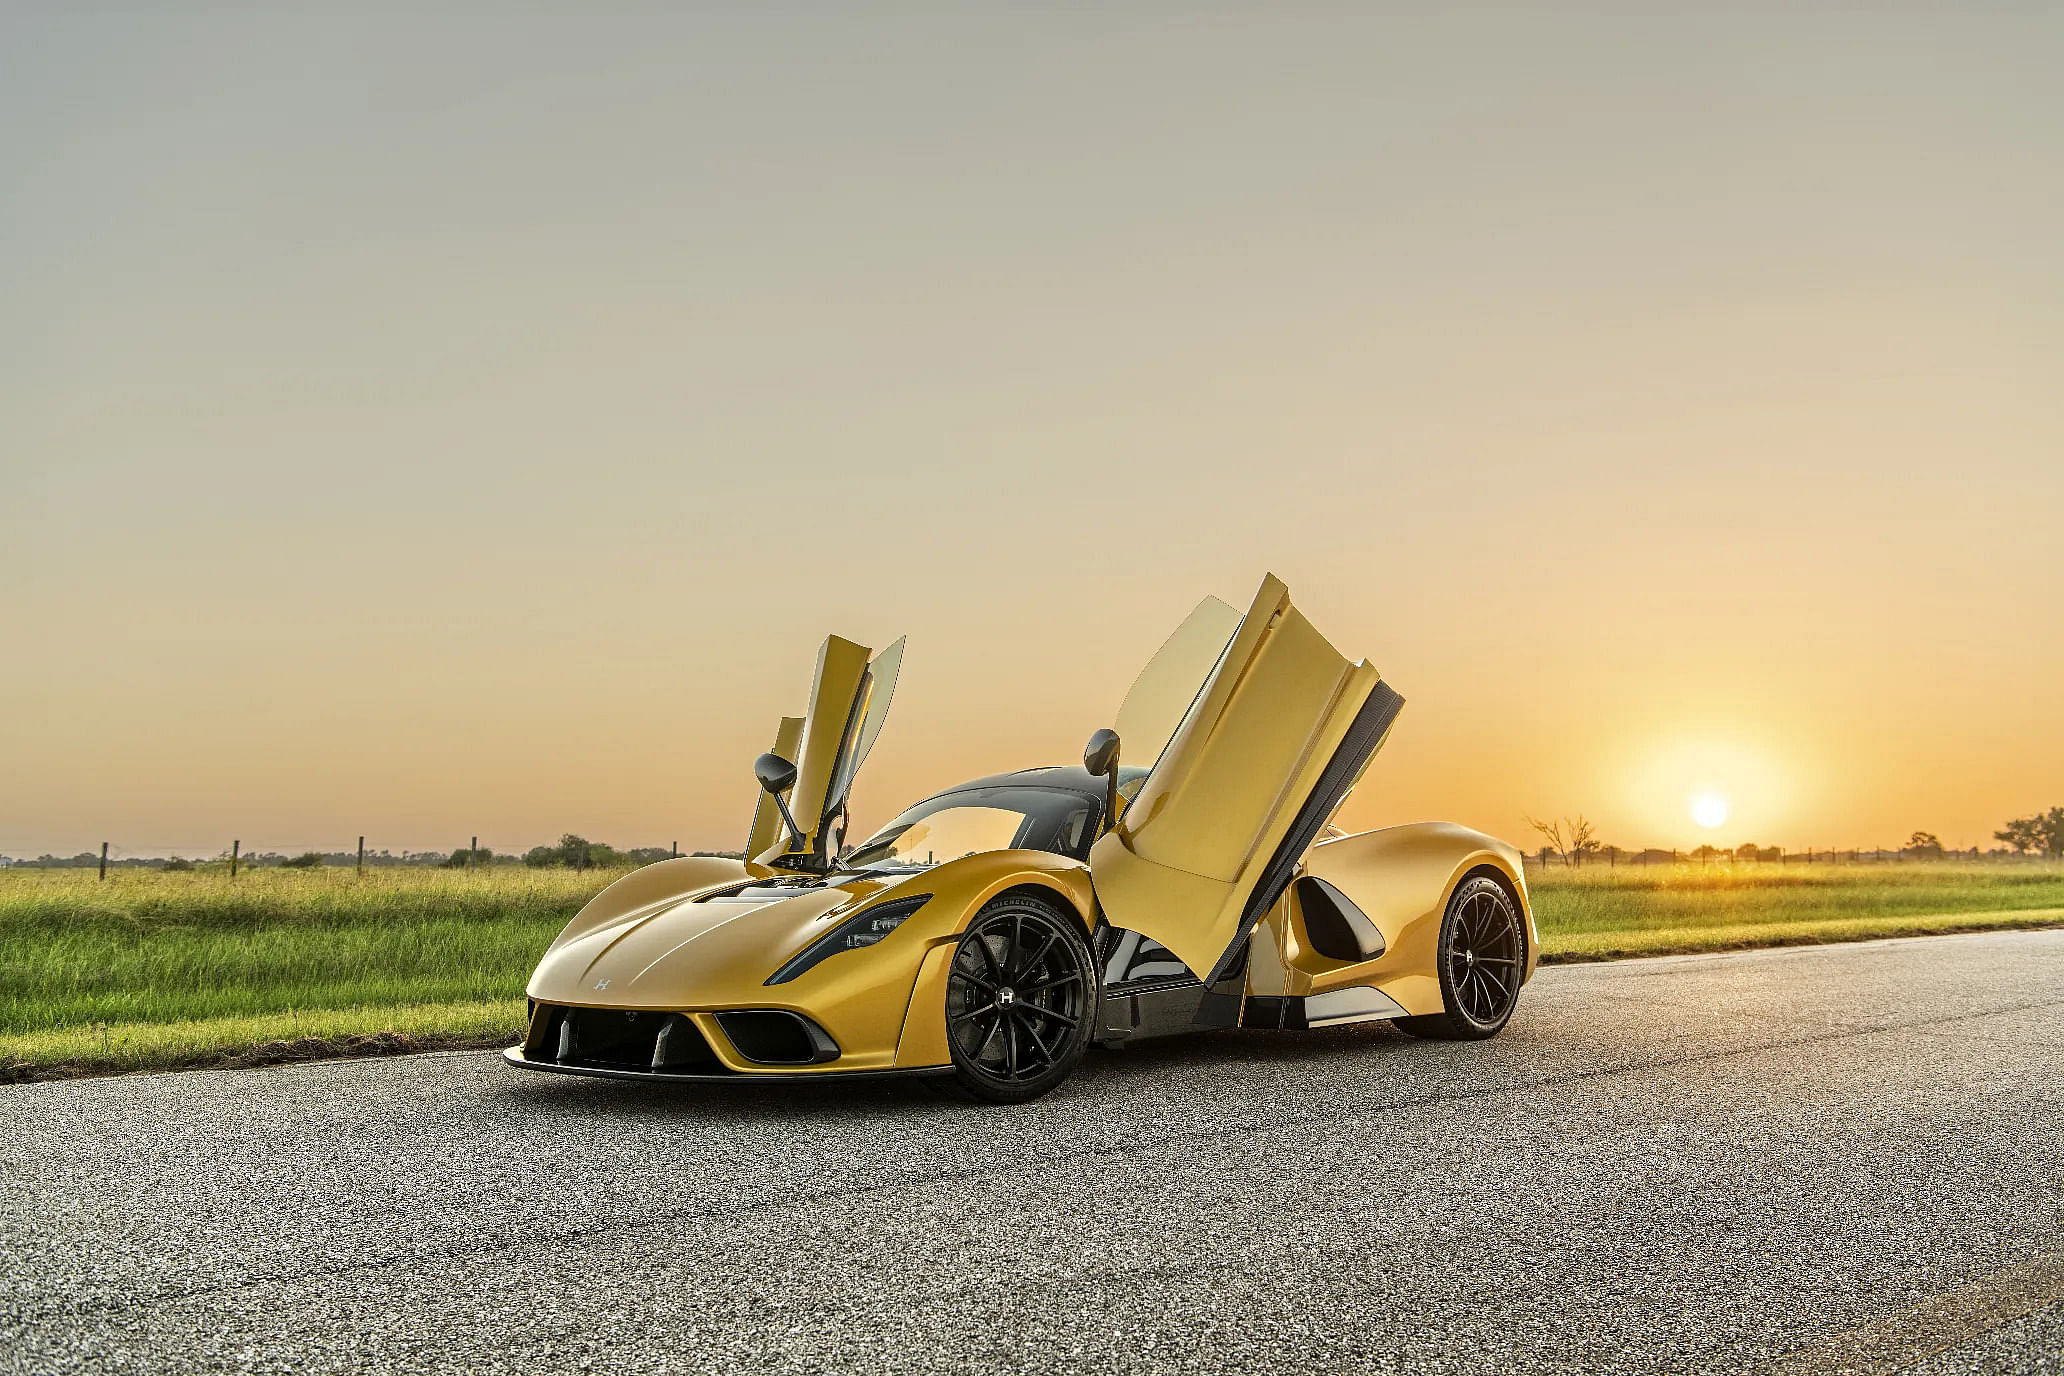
{"x": 1482, "y": 959}
{"x": 1020, "y": 1001}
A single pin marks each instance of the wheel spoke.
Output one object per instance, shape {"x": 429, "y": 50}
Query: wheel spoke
{"x": 1010, "y": 1046}
{"x": 1039, "y": 1042}
{"x": 989, "y": 958}
{"x": 1056, "y": 1014}
{"x": 1030, "y": 965}
{"x": 988, "y": 1036}
{"x": 986, "y": 986}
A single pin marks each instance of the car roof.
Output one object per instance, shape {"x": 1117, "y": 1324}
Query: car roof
{"x": 1072, "y": 778}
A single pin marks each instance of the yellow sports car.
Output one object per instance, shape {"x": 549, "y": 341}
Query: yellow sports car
{"x": 1185, "y": 876}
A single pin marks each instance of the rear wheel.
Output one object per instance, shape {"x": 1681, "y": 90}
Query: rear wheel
{"x": 1020, "y": 1001}
{"x": 1482, "y": 957}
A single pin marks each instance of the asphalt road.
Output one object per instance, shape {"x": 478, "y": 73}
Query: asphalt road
{"x": 1805, "y": 1161}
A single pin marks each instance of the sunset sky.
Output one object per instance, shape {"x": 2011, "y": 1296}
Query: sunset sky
{"x": 429, "y": 426}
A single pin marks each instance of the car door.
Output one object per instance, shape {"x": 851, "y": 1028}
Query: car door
{"x": 849, "y": 698}
{"x": 766, "y": 818}
{"x": 1280, "y": 728}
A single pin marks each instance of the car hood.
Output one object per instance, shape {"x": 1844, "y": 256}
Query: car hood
{"x": 711, "y": 949}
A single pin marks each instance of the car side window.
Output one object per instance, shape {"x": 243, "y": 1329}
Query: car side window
{"x": 1072, "y": 836}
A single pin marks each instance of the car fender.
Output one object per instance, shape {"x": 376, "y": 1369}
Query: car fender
{"x": 1402, "y": 878}
{"x": 962, "y": 888}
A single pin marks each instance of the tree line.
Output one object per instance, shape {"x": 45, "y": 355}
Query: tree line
{"x": 1574, "y": 841}
{"x": 571, "y": 852}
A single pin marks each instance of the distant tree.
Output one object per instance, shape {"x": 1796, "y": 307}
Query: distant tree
{"x": 1551, "y": 832}
{"x": 577, "y": 853}
{"x": 175, "y": 863}
{"x": 1924, "y": 843}
{"x": 463, "y": 859}
{"x": 1748, "y": 850}
{"x": 1573, "y": 838}
{"x": 647, "y": 855}
{"x": 1707, "y": 853}
{"x": 1583, "y": 838}
{"x": 306, "y": 860}
{"x": 2020, "y": 834}
{"x": 2044, "y": 833}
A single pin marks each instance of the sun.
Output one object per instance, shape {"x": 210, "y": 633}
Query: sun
{"x": 1709, "y": 810}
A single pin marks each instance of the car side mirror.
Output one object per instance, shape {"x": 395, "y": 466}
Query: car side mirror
{"x": 777, "y": 776}
{"x": 1100, "y": 758}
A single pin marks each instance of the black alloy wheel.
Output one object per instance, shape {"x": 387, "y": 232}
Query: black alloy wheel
{"x": 1482, "y": 960}
{"x": 1020, "y": 1001}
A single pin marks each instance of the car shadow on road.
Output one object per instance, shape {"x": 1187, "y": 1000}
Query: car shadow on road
{"x": 1137, "y": 1069}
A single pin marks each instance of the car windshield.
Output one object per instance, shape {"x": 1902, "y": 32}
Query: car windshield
{"x": 968, "y": 821}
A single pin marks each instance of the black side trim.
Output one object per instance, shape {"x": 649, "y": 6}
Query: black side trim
{"x": 1366, "y": 732}
{"x": 1276, "y": 1012}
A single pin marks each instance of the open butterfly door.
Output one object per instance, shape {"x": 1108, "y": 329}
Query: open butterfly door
{"x": 1278, "y": 732}
{"x": 849, "y": 699}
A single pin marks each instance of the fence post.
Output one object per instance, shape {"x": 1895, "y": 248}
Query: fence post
{"x": 472, "y": 851}
{"x": 673, "y": 850}
{"x": 361, "y": 857}
{"x": 234, "y": 847}
{"x": 103, "y": 860}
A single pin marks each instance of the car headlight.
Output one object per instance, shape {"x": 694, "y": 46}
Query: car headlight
{"x": 863, "y": 928}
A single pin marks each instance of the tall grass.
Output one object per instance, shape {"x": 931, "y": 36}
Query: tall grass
{"x": 1652, "y": 908}
{"x": 155, "y": 947}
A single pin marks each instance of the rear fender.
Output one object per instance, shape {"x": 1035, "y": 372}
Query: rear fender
{"x": 1401, "y": 878}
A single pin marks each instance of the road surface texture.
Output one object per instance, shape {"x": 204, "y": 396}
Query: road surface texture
{"x": 1818, "y": 1160}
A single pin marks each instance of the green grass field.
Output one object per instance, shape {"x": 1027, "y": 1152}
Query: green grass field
{"x": 150, "y": 971}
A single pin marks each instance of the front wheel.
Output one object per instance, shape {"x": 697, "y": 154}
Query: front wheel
{"x": 1482, "y": 958}
{"x": 1020, "y": 1001}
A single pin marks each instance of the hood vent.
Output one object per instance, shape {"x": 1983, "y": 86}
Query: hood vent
{"x": 765, "y": 889}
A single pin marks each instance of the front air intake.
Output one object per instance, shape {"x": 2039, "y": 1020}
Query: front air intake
{"x": 621, "y": 1039}
{"x": 775, "y": 1036}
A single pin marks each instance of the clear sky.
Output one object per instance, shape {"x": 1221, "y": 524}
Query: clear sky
{"x": 427, "y": 424}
